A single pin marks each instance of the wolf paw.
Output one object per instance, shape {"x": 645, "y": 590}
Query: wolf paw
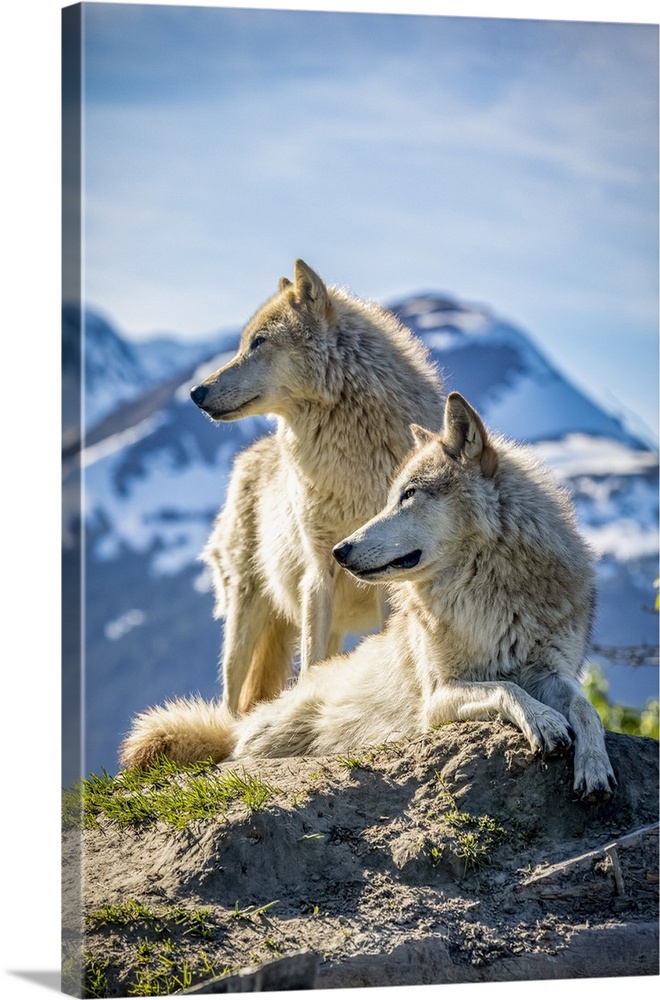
{"x": 594, "y": 779}
{"x": 549, "y": 733}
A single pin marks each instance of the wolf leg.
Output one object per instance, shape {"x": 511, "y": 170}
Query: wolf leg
{"x": 185, "y": 730}
{"x": 285, "y": 727}
{"x": 594, "y": 779}
{"x": 545, "y": 728}
{"x": 335, "y": 644}
{"x": 316, "y": 619}
{"x": 270, "y": 666}
{"x": 247, "y": 617}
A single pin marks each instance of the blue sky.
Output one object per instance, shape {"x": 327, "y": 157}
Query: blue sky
{"x": 510, "y": 162}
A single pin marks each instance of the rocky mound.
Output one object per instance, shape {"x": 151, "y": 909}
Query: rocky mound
{"x": 454, "y": 857}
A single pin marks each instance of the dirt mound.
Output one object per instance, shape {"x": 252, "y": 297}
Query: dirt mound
{"x": 454, "y": 857}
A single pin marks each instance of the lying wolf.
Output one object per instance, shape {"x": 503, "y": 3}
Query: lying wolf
{"x": 492, "y": 590}
{"x": 345, "y": 380}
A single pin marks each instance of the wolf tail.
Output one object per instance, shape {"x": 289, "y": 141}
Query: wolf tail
{"x": 185, "y": 730}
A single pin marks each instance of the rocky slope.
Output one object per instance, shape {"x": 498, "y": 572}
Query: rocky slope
{"x": 455, "y": 857}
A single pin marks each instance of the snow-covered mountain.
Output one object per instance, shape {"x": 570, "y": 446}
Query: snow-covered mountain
{"x": 155, "y": 471}
{"x": 114, "y": 370}
{"x": 508, "y": 378}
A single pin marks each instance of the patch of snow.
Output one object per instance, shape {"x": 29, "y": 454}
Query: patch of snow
{"x": 584, "y": 455}
{"x": 628, "y": 498}
{"x": 123, "y": 439}
{"x": 463, "y": 321}
{"x": 167, "y": 509}
{"x": 546, "y": 409}
{"x": 419, "y": 306}
{"x": 119, "y": 627}
{"x": 624, "y": 540}
{"x": 616, "y": 502}
{"x": 204, "y": 370}
{"x": 441, "y": 340}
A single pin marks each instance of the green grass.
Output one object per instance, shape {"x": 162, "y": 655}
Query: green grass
{"x": 352, "y": 763}
{"x": 166, "y": 792}
{"x": 273, "y": 946}
{"x": 163, "y": 975}
{"x": 158, "y": 973}
{"x": 250, "y": 912}
{"x": 163, "y": 961}
{"x": 95, "y": 982}
{"x": 469, "y": 838}
{"x": 434, "y": 852}
{"x": 160, "y": 920}
{"x": 619, "y": 718}
{"x": 157, "y": 970}
{"x": 164, "y": 980}
{"x": 475, "y": 836}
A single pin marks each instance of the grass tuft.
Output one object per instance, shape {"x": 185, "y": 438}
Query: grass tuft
{"x": 95, "y": 982}
{"x": 163, "y": 962}
{"x": 165, "y": 792}
{"x": 470, "y": 838}
{"x": 352, "y": 763}
{"x": 159, "y": 920}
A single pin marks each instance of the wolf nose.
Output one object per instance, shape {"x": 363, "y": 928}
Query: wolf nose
{"x": 340, "y": 552}
{"x": 198, "y": 394}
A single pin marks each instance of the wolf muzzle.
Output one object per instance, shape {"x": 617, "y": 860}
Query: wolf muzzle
{"x": 342, "y": 553}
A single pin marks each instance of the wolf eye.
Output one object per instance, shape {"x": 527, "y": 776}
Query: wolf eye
{"x": 256, "y": 341}
{"x": 407, "y": 494}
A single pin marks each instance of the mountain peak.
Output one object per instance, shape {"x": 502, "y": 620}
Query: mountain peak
{"x": 510, "y": 381}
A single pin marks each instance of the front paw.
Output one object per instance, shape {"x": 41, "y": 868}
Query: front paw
{"x": 594, "y": 779}
{"x": 549, "y": 733}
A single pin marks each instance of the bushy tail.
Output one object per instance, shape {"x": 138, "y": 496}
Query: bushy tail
{"x": 185, "y": 730}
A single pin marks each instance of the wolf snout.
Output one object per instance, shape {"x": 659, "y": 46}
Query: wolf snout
{"x": 198, "y": 394}
{"x": 341, "y": 552}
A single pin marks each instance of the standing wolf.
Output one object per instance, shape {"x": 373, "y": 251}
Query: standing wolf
{"x": 345, "y": 380}
{"x": 492, "y": 589}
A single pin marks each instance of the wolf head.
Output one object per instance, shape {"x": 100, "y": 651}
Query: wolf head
{"x": 442, "y": 495}
{"x": 282, "y": 354}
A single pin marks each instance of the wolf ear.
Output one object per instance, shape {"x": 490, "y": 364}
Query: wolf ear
{"x": 284, "y": 283}
{"x": 421, "y": 435}
{"x": 310, "y": 290}
{"x": 465, "y": 434}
